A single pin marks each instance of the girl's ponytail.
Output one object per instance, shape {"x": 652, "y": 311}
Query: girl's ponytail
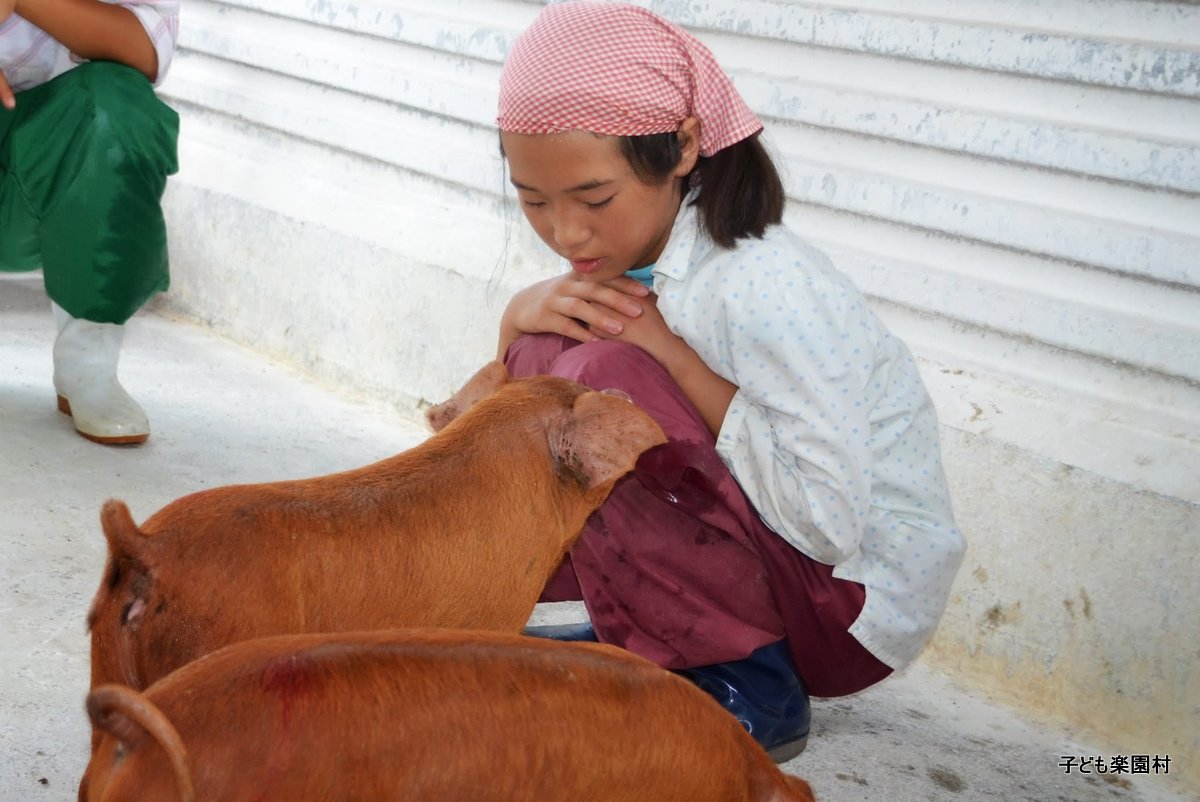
{"x": 740, "y": 189}
{"x": 740, "y": 192}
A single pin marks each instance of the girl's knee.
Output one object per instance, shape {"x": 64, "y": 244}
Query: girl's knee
{"x": 108, "y": 87}
{"x": 604, "y": 364}
{"x": 534, "y": 354}
{"x": 123, "y": 110}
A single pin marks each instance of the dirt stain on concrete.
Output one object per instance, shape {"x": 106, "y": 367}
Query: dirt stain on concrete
{"x": 1086, "y": 605}
{"x": 854, "y": 778}
{"x": 948, "y": 779}
{"x": 1120, "y": 782}
{"x": 998, "y": 615}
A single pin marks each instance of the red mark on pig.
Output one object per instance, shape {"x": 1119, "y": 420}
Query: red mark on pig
{"x": 287, "y": 680}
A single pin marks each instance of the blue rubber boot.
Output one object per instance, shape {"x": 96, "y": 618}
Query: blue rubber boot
{"x": 763, "y": 692}
{"x": 574, "y": 632}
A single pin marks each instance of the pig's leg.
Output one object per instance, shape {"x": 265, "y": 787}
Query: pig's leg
{"x": 677, "y": 566}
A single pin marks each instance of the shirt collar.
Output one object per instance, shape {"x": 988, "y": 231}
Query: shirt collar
{"x": 676, "y": 258}
{"x": 643, "y": 274}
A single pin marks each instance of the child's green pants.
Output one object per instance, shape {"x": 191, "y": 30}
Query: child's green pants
{"x": 84, "y": 160}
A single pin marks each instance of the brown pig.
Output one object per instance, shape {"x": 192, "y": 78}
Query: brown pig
{"x": 424, "y": 714}
{"x": 462, "y": 530}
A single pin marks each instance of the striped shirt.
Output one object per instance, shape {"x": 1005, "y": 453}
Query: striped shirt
{"x": 30, "y": 57}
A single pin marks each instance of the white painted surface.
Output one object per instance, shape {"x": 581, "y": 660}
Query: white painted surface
{"x": 1014, "y": 183}
{"x": 990, "y": 179}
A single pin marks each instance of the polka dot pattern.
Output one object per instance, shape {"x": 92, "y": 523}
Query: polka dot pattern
{"x": 832, "y": 433}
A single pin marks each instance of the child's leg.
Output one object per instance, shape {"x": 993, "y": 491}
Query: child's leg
{"x": 820, "y": 612}
{"x": 18, "y": 226}
{"x": 90, "y": 152}
{"x": 86, "y": 157}
{"x": 676, "y": 565}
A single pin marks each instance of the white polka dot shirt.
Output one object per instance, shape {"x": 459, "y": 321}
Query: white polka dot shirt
{"x": 831, "y": 433}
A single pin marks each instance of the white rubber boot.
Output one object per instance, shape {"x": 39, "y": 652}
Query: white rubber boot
{"x": 85, "y": 378}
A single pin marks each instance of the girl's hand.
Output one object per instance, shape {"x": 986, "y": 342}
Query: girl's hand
{"x": 708, "y": 392}
{"x": 573, "y": 307}
{"x": 649, "y": 331}
{"x": 7, "y": 99}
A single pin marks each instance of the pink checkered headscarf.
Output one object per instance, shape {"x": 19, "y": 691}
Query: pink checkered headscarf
{"x": 619, "y": 70}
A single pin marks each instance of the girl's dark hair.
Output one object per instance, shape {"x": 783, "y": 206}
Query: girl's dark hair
{"x": 741, "y": 192}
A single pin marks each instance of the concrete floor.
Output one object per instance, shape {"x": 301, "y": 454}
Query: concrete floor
{"x": 223, "y": 414}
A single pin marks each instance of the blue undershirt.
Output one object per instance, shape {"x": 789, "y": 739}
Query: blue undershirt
{"x": 643, "y": 274}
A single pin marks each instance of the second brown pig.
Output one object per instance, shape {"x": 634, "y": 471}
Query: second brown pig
{"x": 437, "y": 715}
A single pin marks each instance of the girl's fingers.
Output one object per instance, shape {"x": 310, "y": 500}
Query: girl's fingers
{"x": 629, "y": 286}
{"x": 7, "y": 98}
{"x": 607, "y": 296}
{"x": 608, "y": 325}
{"x": 618, "y": 301}
{"x": 577, "y": 331}
{"x": 598, "y": 334}
{"x": 586, "y": 313}
{"x": 585, "y": 310}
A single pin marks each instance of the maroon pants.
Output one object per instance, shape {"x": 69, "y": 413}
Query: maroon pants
{"x": 676, "y": 566}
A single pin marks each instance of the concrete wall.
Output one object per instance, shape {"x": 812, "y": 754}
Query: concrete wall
{"x": 1014, "y": 183}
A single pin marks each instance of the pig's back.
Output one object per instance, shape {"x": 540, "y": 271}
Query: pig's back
{"x": 431, "y": 714}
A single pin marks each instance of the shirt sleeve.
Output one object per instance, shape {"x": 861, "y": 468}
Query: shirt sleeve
{"x": 160, "y": 18}
{"x": 797, "y": 433}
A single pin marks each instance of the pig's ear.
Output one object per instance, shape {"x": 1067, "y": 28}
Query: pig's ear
{"x": 133, "y": 720}
{"x": 129, "y": 550}
{"x": 487, "y": 380}
{"x": 125, "y": 540}
{"x": 602, "y": 437}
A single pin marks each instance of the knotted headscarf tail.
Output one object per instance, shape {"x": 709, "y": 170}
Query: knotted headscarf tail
{"x": 620, "y": 70}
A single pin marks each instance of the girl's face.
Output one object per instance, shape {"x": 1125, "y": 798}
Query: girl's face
{"x": 583, "y": 199}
